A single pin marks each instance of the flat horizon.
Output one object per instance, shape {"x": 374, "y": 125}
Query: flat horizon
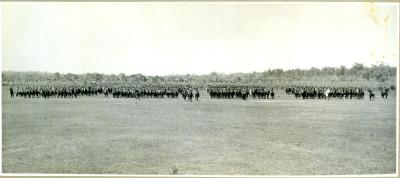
{"x": 189, "y": 73}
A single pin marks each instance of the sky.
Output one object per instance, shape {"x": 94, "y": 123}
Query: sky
{"x": 162, "y": 38}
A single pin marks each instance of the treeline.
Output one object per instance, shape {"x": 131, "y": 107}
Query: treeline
{"x": 357, "y": 73}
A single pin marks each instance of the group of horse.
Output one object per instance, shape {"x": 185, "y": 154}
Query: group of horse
{"x": 186, "y": 91}
{"x": 316, "y": 92}
{"x": 116, "y": 90}
{"x": 54, "y": 91}
{"x": 154, "y": 91}
{"x": 384, "y": 93}
{"x": 229, "y": 91}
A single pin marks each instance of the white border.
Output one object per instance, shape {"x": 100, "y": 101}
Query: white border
{"x": 1, "y": 89}
{"x": 239, "y": 176}
{"x": 397, "y": 92}
{"x": 251, "y": 2}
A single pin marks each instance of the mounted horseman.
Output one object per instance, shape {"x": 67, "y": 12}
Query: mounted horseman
{"x": 197, "y": 94}
{"x": 384, "y": 92}
{"x": 190, "y": 94}
{"x": 11, "y": 92}
{"x": 371, "y": 94}
{"x": 272, "y": 93}
{"x": 327, "y": 93}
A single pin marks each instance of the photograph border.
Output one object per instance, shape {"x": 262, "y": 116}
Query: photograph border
{"x": 391, "y": 2}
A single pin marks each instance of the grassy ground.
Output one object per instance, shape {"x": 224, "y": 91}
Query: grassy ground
{"x": 149, "y": 136}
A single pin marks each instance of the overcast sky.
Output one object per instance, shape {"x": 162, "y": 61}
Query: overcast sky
{"x": 178, "y": 38}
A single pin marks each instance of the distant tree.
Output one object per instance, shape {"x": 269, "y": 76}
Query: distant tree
{"x": 366, "y": 73}
{"x": 314, "y": 71}
{"x": 357, "y": 69}
{"x": 71, "y": 77}
{"x": 95, "y": 77}
{"x": 329, "y": 70}
{"x": 122, "y": 77}
{"x": 341, "y": 71}
{"x": 56, "y": 76}
{"x": 357, "y": 73}
{"x": 142, "y": 78}
{"x": 238, "y": 79}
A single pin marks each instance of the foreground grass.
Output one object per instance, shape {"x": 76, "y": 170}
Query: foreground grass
{"x": 149, "y": 136}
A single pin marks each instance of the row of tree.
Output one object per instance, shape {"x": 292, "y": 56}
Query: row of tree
{"x": 357, "y": 73}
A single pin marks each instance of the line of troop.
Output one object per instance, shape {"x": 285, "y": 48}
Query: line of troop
{"x": 187, "y": 92}
{"x": 314, "y": 92}
{"x": 55, "y": 91}
{"x": 230, "y": 91}
{"x": 138, "y": 91}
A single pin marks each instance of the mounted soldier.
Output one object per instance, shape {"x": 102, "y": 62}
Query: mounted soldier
{"x": 327, "y": 93}
{"x": 197, "y": 94}
{"x": 371, "y": 94}
{"x": 384, "y": 92}
{"x": 190, "y": 94}
{"x": 11, "y": 92}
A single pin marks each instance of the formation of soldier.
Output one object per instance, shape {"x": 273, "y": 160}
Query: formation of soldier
{"x": 186, "y": 91}
{"x": 313, "y": 92}
{"x": 54, "y": 91}
{"x": 230, "y": 91}
{"x": 116, "y": 90}
{"x": 153, "y": 91}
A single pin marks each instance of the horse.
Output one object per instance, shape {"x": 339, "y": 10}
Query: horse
{"x": 197, "y": 95}
{"x": 297, "y": 94}
{"x": 174, "y": 170}
{"x": 327, "y": 93}
{"x": 244, "y": 94}
{"x": 11, "y": 92}
{"x": 384, "y": 93}
{"x": 272, "y": 94}
{"x": 371, "y": 94}
{"x": 184, "y": 95}
{"x": 190, "y": 95}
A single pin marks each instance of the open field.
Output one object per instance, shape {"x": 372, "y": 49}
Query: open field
{"x": 148, "y": 136}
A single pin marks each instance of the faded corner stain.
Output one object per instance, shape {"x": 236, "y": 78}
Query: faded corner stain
{"x": 386, "y": 18}
{"x": 374, "y": 15}
{"x": 372, "y": 11}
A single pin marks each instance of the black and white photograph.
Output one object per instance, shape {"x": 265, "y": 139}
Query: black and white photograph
{"x": 200, "y": 88}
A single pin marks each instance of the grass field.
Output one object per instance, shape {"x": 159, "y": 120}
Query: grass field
{"x": 265, "y": 137}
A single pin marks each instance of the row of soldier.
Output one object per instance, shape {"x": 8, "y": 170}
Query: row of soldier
{"x": 187, "y": 92}
{"x": 117, "y": 91}
{"x": 230, "y": 91}
{"x": 312, "y": 92}
{"x": 153, "y": 91}
{"x": 54, "y": 91}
